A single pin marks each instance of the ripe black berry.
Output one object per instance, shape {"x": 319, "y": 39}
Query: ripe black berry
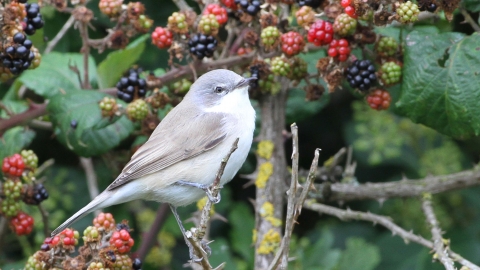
{"x": 431, "y": 7}
{"x": 16, "y": 57}
{"x": 74, "y": 124}
{"x": 137, "y": 264}
{"x": 34, "y": 20}
{"x": 361, "y": 75}
{"x": 250, "y": 7}
{"x": 202, "y": 45}
{"x": 310, "y": 3}
{"x": 131, "y": 85}
{"x": 35, "y": 194}
{"x": 123, "y": 226}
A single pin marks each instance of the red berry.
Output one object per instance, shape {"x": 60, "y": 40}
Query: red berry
{"x": 379, "y": 99}
{"x": 350, "y": 11}
{"x": 162, "y": 38}
{"x": 122, "y": 241}
{"x": 292, "y": 43}
{"x": 22, "y": 224}
{"x": 13, "y": 165}
{"x": 230, "y": 4}
{"x": 219, "y": 12}
{"x": 345, "y": 3}
{"x": 105, "y": 221}
{"x": 320, "y": 33}
{"x": 340, "y": 49}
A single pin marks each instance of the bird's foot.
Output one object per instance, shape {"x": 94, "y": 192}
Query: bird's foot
{"x": 206, "y": 188}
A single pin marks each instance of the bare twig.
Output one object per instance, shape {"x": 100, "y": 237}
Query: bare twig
{"x": 398, "y": 189}
{"x": 195, "y": 235}
{"x": 148, "y": 240}
{"x": 182, "y": 5}
{"x": 44, "y": 166}
{"x": 470, "y": 20}
{"x": 438, "y": 243}
{"x": 59, "y": 35}
{"x": 295, "y": 204}
{"x": 385, "y": 222}
{"x": 34, "y": 111}
{"x": 83, "y": 29}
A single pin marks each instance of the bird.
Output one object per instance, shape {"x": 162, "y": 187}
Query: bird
{"x": 179, "y": 161}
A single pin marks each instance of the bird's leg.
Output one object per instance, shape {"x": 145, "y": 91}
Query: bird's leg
{"x": 180, "y": 224}
{"x": 213, "y": 199}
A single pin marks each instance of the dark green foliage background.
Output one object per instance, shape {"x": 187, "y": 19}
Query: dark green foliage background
{"x": 437, "y": 92}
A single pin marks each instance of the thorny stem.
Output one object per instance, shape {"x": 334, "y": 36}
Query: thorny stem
{"x": 470, "y": 20}
{"x": 384, "y": 221}
{"x": 438, "y": 243}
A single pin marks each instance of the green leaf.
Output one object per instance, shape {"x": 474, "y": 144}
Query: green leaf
{"x": 221, "y": 253}
{"x": 14, "y": 140}
{"x": 298, "y": 108}
{"x": 94, "y": 134}
{"x": 330, "y": 256}
{"x": 440, "y": 82}
{"x": 54, "y": 75}
{"x": 242, "y": 222}
{"x": 472, "y": 5}
{"x": 111, "y": 69}
{"x": 359, "y": 255}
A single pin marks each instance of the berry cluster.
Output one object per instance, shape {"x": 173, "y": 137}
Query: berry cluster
{"x": 137, "y": 110}
{"x": 162, "y": 38}
{"x": 22, "y": 224}
{"x": 386, "y": 47}
{"x": 108, "y": 106}
{"x": 344, "y": 25}
{"x": 379, "y": 99}
{"x": 270, "y": 37}
{"x": 280, "y": 66}
{"x": 305, "y": 16}
{"x": 349, "y": 8}
{"x": 18, "y": 57}
{"x": 202, "y": 45}
{"x": 251, "y": 7}
{"x": 35, "y": 194}
{"x": 339, "y": 49}
{"x": 13, "y": 165}
{"x": 105, "y": 246}
{"x": 34, "y": 20}
{"x": 177, "y": 23}
{"x": 208, "y": 25}
{"x": 299, "y": 69}
{"x": 292, "y": 43}
{"x": 407, "y": 12}
{"x": 122, "y": 241}
{"x": 219, "y": 12}
{"x": 361, "y": 75}
{"x": 131, "y": 86}
{"x": 20, "y": 184}
{"x": 111, "y": 8}
{"x": 320, "y": 33}
{"x": 390, "y": 73}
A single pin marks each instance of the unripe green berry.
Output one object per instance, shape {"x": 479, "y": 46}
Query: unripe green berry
{"x": 390, "y": 73}
{"x": 270, "y": 37}
{"x": 407, "y": 12}
{"x": 344, "y": 25}
{"x": 29, "y": 158}
{"x": 137, "y": 110}
{"x": 386, "y": 47}
{"x": 280, "y": 66}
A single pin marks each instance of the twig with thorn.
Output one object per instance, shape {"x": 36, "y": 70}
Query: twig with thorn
{"x": 295, "y": 204}
{"x": 195, "y": 235}
{"x": 438, "y": 241}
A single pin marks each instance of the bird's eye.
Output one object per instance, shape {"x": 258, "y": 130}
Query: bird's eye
{"x": 219, "y": 90}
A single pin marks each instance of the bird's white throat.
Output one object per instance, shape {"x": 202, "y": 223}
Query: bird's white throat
{"x": 235, "y": 102}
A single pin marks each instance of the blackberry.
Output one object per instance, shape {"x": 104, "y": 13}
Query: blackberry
{"x": 17, "y": 57}
{"x": 310, "y": 3}
{"x": 361, "y": 75}
{"x": 255, "y": 72}
{"x": 74, "y": 124}
{"x": 131, "y": 86}
{"x": 250, "y": 7}
{"x": 34, "y": 20}
{"x": 35, "y": 194}
{"x": 137, "y": 264}
{"x": 202, "y": 45}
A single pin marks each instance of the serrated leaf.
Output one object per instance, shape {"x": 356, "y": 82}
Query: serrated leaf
{"x": 242, "y": 222}
{"x": 111, "y": 69}
{"x": 94, "y": 135}
{"x": 14, "y": 140}
{"x": 440, "y": 82}
{"x": 359, "y": 255}
{"x": 54, "y": 76}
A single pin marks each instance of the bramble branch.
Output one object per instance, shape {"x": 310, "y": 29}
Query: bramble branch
{"x": 439, "y": 245}
{"x": 398, "y": 189}
{"x": 385, "y": 222}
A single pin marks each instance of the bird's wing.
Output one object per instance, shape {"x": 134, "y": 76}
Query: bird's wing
{"x": 173, "y": 142}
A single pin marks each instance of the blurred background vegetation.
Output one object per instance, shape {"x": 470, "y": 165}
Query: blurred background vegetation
{"x": 385, "y": 145}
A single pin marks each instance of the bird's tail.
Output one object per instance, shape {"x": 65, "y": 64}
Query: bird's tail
{"x": 99, "y": 202}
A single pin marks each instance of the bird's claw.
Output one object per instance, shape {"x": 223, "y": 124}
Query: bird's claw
{"x": 213, "y": 199}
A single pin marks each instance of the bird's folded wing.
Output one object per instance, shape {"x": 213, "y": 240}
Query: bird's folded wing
{"x": 173, "y": 142}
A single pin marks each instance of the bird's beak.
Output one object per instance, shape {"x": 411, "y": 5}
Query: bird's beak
{"x": 245, "y": 82}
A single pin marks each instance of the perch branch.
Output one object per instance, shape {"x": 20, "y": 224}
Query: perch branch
{"x": 295, "y": 204}
{"x": 35, "y": 110}
{"x": 195, "y": 235}
{"x": 438, "y": 242}
{"x": 385, "y": 222}
{"x": 92, "y": 182}
{"x": 470, "y": 20}
{"x": 59, "y": 35}
{"x": 398, "y": 189}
